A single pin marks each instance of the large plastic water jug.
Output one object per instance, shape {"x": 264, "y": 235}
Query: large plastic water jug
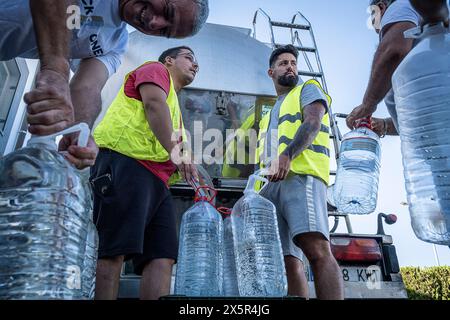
{"x": 44, "y": 212}
{"x": 230, "y": 285}
{"x": 421, "y": 85}
{"x": 200, "y": 264}
{"x": 355, "y": 190}
{"x": 90, "y": 262}
{"x": 257, "y": 246}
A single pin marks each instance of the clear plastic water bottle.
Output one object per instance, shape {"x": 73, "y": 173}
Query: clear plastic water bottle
{"x": 230, "y": 286}
{"x": 257, "y": 245}
{"x": 421, "y": 85}
{"x": 356, "y": 186}
{"x": 44, "y": 213}
{"x": 200, "y": 264}
{"x": 90, "y": 263}
{"x": 91, "y": 251}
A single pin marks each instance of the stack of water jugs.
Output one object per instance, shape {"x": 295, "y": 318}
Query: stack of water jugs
{"x": 48, "y": 243}
{"x": 211, "y": 250}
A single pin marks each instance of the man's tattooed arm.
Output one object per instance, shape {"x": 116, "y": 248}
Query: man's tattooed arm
{"x": 312, "y": 119}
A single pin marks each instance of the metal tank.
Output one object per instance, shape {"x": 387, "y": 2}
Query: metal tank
{"x": 230, "y": 60}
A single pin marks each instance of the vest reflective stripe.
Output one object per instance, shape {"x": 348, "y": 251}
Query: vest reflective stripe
{"x": 325, "y": 129}
{"x": 315, "y": 160}
{"x": 298, "y": 116}
{"x": 125, "y": 128}
{"x": 291, "y": 118}
{"x": 313, "y": 147}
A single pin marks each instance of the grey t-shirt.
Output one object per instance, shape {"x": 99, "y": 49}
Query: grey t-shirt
{"x": 103, "y": 35}
{"x": 399, "y": 11}
{"x": 310, "y": 94}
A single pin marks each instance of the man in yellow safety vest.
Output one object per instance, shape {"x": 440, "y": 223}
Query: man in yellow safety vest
{"x": 293, "y": 143}
{"x": 139, "y": 141}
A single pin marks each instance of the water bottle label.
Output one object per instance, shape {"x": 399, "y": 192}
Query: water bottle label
{"x": 361, "y": 144}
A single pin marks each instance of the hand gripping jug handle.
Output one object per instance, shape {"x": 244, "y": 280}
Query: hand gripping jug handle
{"x": 255, "y": 177}
{"x": 204, "y": 191}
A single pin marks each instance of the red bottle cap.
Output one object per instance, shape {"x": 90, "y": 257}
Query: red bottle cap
{"x": 364, "y": 123}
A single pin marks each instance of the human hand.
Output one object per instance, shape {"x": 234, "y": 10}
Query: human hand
{"x": 183, "y": 160}
{"x": 279, "y": 168}
{"x": 50, "y": 106}
{"x": 379, "y": 126}
{"x": 80, "y": 157}
{"x": 360, "y": 112}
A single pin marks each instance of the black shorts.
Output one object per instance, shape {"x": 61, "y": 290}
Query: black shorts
{"x": 133, "y": 211}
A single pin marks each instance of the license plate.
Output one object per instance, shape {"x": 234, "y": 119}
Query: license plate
{"x": 361, "y": 274}
{"x": 356, "y": 274}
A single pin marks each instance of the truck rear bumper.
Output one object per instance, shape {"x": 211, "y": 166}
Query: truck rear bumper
{"x": 129, "y": 289}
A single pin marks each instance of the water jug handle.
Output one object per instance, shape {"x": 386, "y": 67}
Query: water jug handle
{"x": 198, "y": 188}
{"x": 205, "y": 193}
{"x": 413, "y": 33}
{"x": 207, "y": 181}
{"x": 84, "y": 130}
{"x": 421, "y": 32}
{"x": 225, "y": 212}
{"x": 255, "y": 177}
{"x": 83, "y": 138}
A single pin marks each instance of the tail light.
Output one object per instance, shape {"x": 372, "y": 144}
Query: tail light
{"x": 355, "y": 250}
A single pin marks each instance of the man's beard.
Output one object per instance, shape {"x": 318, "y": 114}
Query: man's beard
{"x": 288, "y": 80}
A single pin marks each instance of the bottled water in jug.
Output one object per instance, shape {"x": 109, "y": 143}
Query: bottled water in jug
{"x": 230, "y": 286}
{"x": 355, "y": 190}
{"x": 421, "y": 85}
{"x": 90, "y": 262}
{"x": 200, "y": 265}
{"x": 257, "y": 245}
{"x": 91, "y": 251}
{"x": 44, "y": 212}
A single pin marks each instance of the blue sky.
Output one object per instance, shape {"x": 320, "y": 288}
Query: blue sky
{"x": 346, "y": 48}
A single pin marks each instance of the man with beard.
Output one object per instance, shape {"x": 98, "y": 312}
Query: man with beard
{"x": 293, "y": 143}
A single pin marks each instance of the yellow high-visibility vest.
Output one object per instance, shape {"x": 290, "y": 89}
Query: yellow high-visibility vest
{"x": 125, "y": 128}
{"x": 315, "y": 160}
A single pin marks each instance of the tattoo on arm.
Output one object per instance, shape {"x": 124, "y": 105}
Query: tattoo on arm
{"x": 302, "y": 140}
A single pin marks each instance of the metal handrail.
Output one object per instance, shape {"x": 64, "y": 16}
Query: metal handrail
{"x": 270, "y": 25}
{"x": 337, "y": 137}
{"x": 319, "y": 62}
